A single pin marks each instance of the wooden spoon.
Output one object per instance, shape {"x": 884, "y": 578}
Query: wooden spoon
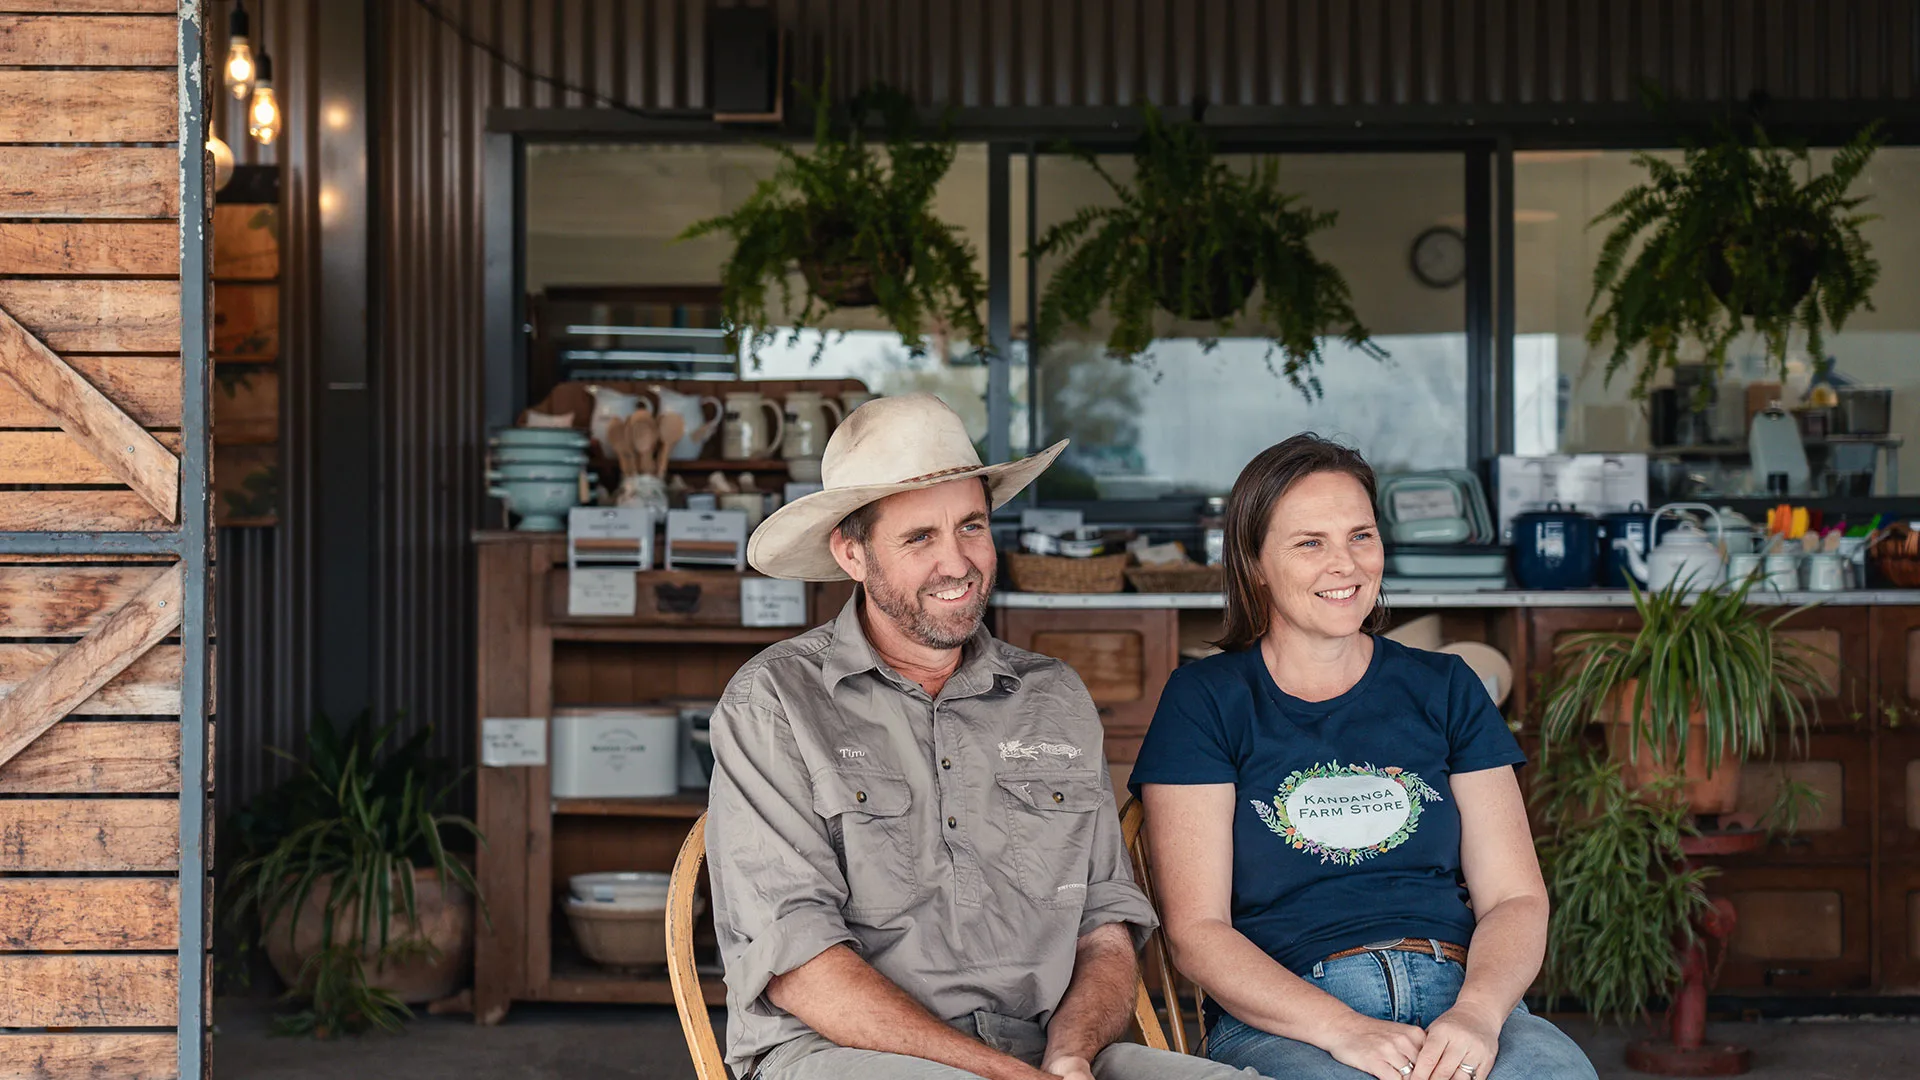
{"x": 640, "y": 435}
{"x": 616, "y": 441}
{"x": 672, "y": 428}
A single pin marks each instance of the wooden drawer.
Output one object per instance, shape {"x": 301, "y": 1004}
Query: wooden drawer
{"x": 1800, "y": 927}
{"x": 1840, "y": 638}
{"x": 1124, "y": 656}
{"x": 1899, "y": 759}
{"x": 1900, "y": 928}
{"x": 1840, "y": 767}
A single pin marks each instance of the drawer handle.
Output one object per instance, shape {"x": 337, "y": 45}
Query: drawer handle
{"x": 678, "y": 599}
{"x": 1771, "y": 972}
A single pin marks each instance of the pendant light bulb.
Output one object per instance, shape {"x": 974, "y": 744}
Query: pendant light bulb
{"x": 222, "y": 161}
{"x": 240, "y": 67}
{"x": 263, "y": 114}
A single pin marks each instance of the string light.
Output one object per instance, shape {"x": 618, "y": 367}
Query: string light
{"x": 240, "y": 69}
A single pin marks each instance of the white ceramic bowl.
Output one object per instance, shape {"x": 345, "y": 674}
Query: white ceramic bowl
{"x": 566, "y": 437}
{"x": 539, "y": 455}
{"x": 623, "y": 890}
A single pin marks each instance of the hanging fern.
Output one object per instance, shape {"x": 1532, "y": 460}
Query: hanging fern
{"x": 1194, "y": 238}
{"x": 1732, "y": 238}
{"x": 859, "y": 229}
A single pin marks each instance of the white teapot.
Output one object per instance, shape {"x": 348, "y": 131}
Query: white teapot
{"x": 1686, "y": 555}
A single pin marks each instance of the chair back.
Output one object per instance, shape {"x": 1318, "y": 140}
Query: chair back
{"x": 1133, "y": 821}
{"x": 708, "y": 1064}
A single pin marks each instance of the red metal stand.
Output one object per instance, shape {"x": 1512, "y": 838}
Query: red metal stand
{"x": 1685, "y": 1051}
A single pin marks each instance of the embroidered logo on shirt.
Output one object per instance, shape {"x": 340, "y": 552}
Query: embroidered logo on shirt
{"x": 1015, "y": 750}
{"x": 850, "y": 752}
{"x": 1347, "y": 814}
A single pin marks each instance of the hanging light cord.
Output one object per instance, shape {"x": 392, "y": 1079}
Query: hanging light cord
{"x": 460, "y": 31}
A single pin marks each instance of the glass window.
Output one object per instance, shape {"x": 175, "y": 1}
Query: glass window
{"x": 1562, "y": 402}
{"x": 1185, "y": 420}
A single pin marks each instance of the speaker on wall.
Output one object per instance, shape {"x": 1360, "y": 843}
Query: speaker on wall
{"x": 743, "y": 63}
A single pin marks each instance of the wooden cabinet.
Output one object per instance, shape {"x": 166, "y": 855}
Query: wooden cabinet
{"x": 1800, "y": 928}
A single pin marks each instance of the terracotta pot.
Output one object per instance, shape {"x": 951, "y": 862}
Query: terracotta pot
{"x": 446, "y": 922}
{"x": 1716, "y": 794}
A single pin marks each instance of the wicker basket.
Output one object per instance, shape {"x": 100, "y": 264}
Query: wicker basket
{"x": 1177, "y": 579}
{"x": 1059, "y": 574}
{"x": 1897, "y": 557}
{"x": 621, "y": 938}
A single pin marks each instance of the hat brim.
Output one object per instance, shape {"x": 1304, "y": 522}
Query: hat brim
{"x": 793, "y": 541}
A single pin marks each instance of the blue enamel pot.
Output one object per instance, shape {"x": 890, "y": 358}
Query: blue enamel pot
{"x": 1556, "y": 548}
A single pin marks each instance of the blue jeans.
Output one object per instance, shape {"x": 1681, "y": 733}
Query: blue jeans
{"x": 1406, "y": 988}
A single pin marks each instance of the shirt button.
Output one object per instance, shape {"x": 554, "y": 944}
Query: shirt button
{"x": 952, "y": 824}
{"x": 1057, "y": 797}
{"x": 946, "y": 763}
{"x": 861, "y": 796}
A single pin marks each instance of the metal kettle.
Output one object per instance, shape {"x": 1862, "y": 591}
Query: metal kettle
{"x": 1685, "y": 554}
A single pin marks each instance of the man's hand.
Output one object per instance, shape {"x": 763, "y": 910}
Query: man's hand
{"x": 1380, "y": 1048}
{"x": 1070, "y": 1068}
{"x": 1460, "y": 1036}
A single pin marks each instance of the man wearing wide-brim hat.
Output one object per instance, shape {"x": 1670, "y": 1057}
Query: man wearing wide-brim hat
{"x": 917, "y": 868}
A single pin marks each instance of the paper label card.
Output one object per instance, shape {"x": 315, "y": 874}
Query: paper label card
{"x": 509, "y": 741}
{"x": 1052, "y": 522}
{"x": 601, "y": 592}
{"x": 772, "y": 602}
{"x": 1425, "y": 504}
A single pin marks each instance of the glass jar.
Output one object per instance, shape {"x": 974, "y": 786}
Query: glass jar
{"x": 1213, "y": 529}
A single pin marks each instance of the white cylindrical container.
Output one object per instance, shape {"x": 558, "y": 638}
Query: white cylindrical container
{"x": 616, "y": 753}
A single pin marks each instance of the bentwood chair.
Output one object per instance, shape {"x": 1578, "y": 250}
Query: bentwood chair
{"x": 697, "y": 1026}
{"x": 708, "y": 1064}
{"x": 1133, "y": 821}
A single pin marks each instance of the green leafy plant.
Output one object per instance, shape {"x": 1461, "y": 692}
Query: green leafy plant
{"x": 1194, "y": 238}
{"x": 858, "y": 228}
{"x": 1793, "y": 801}
{"x": 1618, "y": 884}
{"x": 357, "y": 820}
{"x": 1731, "y": 237}
{"x": 1704, "y": 652}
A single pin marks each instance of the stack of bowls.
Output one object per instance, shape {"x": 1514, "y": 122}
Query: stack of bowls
{"x": 537, "y": 471}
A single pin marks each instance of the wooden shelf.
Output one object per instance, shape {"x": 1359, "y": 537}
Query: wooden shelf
{"x": 674, "y": 635}
{"x": 723, "y": 465}
{"x": 687, "y": 805}
{"x": 576, "y": 978}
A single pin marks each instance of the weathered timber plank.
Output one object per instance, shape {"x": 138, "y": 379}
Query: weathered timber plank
{"x": 246, "y": 242}
{"x": 48, "y": 695}
{"x": 88, "y": 41}
{"x": 89, "y": 990}
{"x": 90, "y": 182}
{"x": 150, "y": 686}
{"x": 246, "y": 405}
{"x": 89, "y": 1056}
{"x": 146, "y": 388}
{"x": 127, "y": 451}
{"x": 89, "y": 106}
{"x": 97, "y": 757}
{"x": 54, "y": 457}
{"x": 90, "y": 7}
{"x": 246, "y": 322}
{"x": 109, "y": 249}
{"x": 78, "y": 511}
{"x": 96, "y": 316}
{"x": 89, "y": 914}
{"x": 58, "y": 601}
{"x": 89, "y": 836}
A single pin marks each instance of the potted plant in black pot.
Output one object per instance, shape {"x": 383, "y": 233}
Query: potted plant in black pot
{"x": 856, "y": 227}
{"x": 1739, "y": 234}
{"x": 346, "y": 880}
{"x": 1195, "y": 239}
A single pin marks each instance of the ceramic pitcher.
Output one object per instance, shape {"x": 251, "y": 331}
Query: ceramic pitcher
{"x": 745, "y": 433}
{"x": 807, "y": 424}
{"x": 852, "y": 400}
{"x": 693, "y": 409}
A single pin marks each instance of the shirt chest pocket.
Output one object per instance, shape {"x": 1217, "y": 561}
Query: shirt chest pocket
{"x": 1050, "y": 827}
{"x": 869, "y": 816}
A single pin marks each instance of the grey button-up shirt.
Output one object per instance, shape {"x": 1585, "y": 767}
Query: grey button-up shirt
{"x": 959, "y": 844}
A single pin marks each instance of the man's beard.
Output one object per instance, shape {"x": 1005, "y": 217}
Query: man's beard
{"x": 909, "y": 613}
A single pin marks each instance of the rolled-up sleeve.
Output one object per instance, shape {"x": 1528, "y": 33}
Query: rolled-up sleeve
{"x": 777, "y": 886}
{"x": 1112, "y": 895}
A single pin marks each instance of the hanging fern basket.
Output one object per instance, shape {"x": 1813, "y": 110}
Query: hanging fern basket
{"x": 1218, "y": 293}
{"x": 1799, "y": 251}
{"x": 842, "y": 284}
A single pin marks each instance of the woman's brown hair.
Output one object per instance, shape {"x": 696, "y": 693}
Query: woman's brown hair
{"x": 1265, "y": 480}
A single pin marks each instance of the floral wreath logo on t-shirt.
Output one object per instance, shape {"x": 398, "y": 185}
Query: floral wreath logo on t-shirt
{"x": 1347, "y": 814}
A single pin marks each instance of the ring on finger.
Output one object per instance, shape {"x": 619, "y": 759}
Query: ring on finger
{"x": 1470, "y": 1070}
{"x": 1407, "y": 1069}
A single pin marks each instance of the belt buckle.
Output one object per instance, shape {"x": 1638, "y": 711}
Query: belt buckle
{"x": 1383, "y": 946}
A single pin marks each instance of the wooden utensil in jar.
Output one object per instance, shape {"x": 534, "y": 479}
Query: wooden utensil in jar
{"x": 616, "y": 441}
{"x": 640, "y": 437}
{"x": 672, "y": 428}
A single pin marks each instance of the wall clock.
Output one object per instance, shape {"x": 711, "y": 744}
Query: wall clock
{"x": 1439, "y": 257}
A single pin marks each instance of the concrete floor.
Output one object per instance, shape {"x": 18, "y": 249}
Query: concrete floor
{"x": 644, "y": 1043}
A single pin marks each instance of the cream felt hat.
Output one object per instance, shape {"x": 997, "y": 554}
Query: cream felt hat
{"x": 882, "y": 448}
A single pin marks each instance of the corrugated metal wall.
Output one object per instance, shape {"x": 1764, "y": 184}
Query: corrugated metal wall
{"x": 1491, "y": 55}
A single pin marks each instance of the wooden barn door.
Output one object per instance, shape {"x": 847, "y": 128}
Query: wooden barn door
{"x": 105, "y": 560}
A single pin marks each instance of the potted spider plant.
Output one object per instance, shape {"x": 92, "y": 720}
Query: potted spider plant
{"x": 856, "y": 228}
{"x": 1740, "y": 234}
{"x": 1194, "y": 238}
{"x": 1698, "y": 689}
{"x": 348, "y": 883}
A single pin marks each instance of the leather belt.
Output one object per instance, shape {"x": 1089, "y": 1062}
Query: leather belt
{"x": 1455, "y": 953}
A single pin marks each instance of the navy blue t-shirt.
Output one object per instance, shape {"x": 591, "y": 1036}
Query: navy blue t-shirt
{"x": 1344, "y": 827}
